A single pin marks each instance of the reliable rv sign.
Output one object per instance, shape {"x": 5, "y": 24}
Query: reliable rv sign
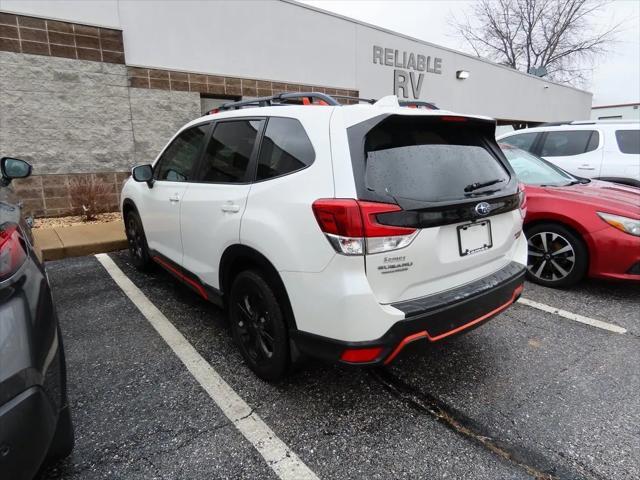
{"x": 409, "y": 69}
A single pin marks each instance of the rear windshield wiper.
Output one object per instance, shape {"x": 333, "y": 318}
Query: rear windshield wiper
{"x": 477, "y": 185}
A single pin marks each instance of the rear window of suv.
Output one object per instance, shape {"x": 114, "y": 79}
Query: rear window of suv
{"x": 285, "y": 148}
{"x": 430, "y": 162}
{"x": 628, "y": 141}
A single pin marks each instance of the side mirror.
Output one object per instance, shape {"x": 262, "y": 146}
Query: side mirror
{"x": 14, "y": 168}
{"x": 143, "y": 173}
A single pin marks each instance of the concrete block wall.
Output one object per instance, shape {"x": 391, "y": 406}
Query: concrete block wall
{"x": 71, "y": 117}
{"x": 58, "y": 112}
{"x": 156, "y": 116}
{"x": 71, "y": 106}
{"x": 67, "y": 115}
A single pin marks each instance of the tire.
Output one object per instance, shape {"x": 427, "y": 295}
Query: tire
{"x": 258, "y": 326}
{"x": 557, "y": 257}
{"x": 137, "y": 241}
{"x": 64, "y": 437}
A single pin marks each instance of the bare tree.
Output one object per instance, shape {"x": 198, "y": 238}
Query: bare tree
{"x": 558, "y": 39}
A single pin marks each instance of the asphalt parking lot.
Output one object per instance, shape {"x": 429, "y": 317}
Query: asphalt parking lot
{"x": 531, "y": 394}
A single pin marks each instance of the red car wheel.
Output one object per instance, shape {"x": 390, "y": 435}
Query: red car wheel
{"x": 557, "y": 256}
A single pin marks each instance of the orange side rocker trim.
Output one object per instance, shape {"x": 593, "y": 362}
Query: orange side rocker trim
{"x": 425, "y": 334}
{"x": 201, "y": 291}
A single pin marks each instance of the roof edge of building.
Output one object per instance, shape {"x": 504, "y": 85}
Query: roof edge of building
{"x": 633, "y": 104}
{"x": 425, "y": 42}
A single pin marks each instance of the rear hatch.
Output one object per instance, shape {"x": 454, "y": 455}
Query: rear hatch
{"x": 453, "y": 186}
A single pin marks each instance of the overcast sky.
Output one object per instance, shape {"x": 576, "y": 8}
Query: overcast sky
{"x": 616, "y": 79}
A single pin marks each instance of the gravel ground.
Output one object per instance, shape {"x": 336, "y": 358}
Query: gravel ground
{"x": 527, "y": 394}
{"x": 51, "y": 222}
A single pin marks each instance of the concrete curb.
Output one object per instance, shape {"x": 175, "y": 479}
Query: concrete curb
{"x": 77, "y": 240}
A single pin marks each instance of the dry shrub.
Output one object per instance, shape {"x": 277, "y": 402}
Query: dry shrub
{"x": 87, "y": 197}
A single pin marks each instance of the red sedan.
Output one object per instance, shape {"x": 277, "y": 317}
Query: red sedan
{"x": 575, "y": 226}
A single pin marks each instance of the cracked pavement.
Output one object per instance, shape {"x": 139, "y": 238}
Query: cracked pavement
{"x": 556, "y": 396}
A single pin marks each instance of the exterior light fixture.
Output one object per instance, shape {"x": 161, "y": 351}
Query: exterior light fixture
{"x": 462, "y": 74}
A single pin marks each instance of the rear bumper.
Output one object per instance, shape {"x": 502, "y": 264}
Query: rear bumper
{"x": 27, "y": 425}
{"x": 432, "y": 318}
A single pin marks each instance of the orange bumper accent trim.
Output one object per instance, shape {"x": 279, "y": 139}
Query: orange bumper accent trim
{"x": 424, "y": 334}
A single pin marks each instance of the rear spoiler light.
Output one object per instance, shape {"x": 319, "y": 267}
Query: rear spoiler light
{"x": 453, "y": 118}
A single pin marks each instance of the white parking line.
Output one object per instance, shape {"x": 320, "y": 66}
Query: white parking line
{"x": 276, "y": 453}
{"x": 573, "y": 316}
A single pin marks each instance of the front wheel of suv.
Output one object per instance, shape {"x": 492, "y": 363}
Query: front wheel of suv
{"x": 557, "y": 256}
{"x": 258, "y": 326}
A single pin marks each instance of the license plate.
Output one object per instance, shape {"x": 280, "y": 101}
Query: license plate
{"x": 474, "y": 237}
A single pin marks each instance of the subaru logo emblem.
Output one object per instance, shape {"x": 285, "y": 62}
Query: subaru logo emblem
{"x": 483, "y": 208}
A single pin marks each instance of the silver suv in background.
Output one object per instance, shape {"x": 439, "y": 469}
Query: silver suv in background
{"x": 605, "y": 149}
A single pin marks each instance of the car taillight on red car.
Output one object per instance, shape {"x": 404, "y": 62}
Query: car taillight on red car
{"x": 12, "y": 251}
{"x": 353, "y": 229}
{"x": 522, "y": 195}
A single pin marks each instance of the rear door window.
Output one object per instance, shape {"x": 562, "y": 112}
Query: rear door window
{"x": 568, "y": 143}
{"x": 523, "y": 141}
{"x": 430, "y": 163}
{"x": 228, "y": 154}
{"x": 628, "y": 141}
{"x": 285, "y": 148}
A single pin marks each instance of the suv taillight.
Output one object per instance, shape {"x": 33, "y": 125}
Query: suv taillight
{"x": 522, "y": 196}
{"x": 12, "y": 252}
{"x": 353, "y": 229}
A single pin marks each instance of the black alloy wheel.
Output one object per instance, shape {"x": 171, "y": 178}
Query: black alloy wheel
{"x": 258, "y": 326}
{"x": 137, "y": 242}
{"x": 557, "y": 257}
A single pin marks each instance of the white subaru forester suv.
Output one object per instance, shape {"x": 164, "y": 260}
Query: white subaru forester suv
{"x": 342, "y": 232}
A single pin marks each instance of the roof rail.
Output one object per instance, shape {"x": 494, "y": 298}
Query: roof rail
{"x": 356, "y": 99}
{"x": 279, "y": 99}
{"x": 555, "y": 124}
{"x": 308, "y": 98}
{"x": 605, "y": 121}
{"x": 418, "y": 104}
{"x": 588, "y": 122}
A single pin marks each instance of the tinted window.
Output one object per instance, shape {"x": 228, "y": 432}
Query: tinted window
{"x": 524, "y": 141}
{"x": 229, "y": 151}
{"x": 178, "y": 159}
{"x": 285, "y": 148}
{"x": 430, "y": 163}
{"x": 628, "y": 141}
{"x": 575, "y": 142}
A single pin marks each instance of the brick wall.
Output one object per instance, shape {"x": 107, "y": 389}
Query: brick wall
{"x": 50, "y": 195}
{"x": 40, "y": 36}
{"x": 219, "y": 84}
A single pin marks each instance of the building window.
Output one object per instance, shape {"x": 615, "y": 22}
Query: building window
{"x": 208, "y": 103}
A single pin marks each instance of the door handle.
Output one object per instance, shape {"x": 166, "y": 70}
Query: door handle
{"x": 230, "y": 207}
{"x": 175, "y": 198}
{"x": 585, "y": 167}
